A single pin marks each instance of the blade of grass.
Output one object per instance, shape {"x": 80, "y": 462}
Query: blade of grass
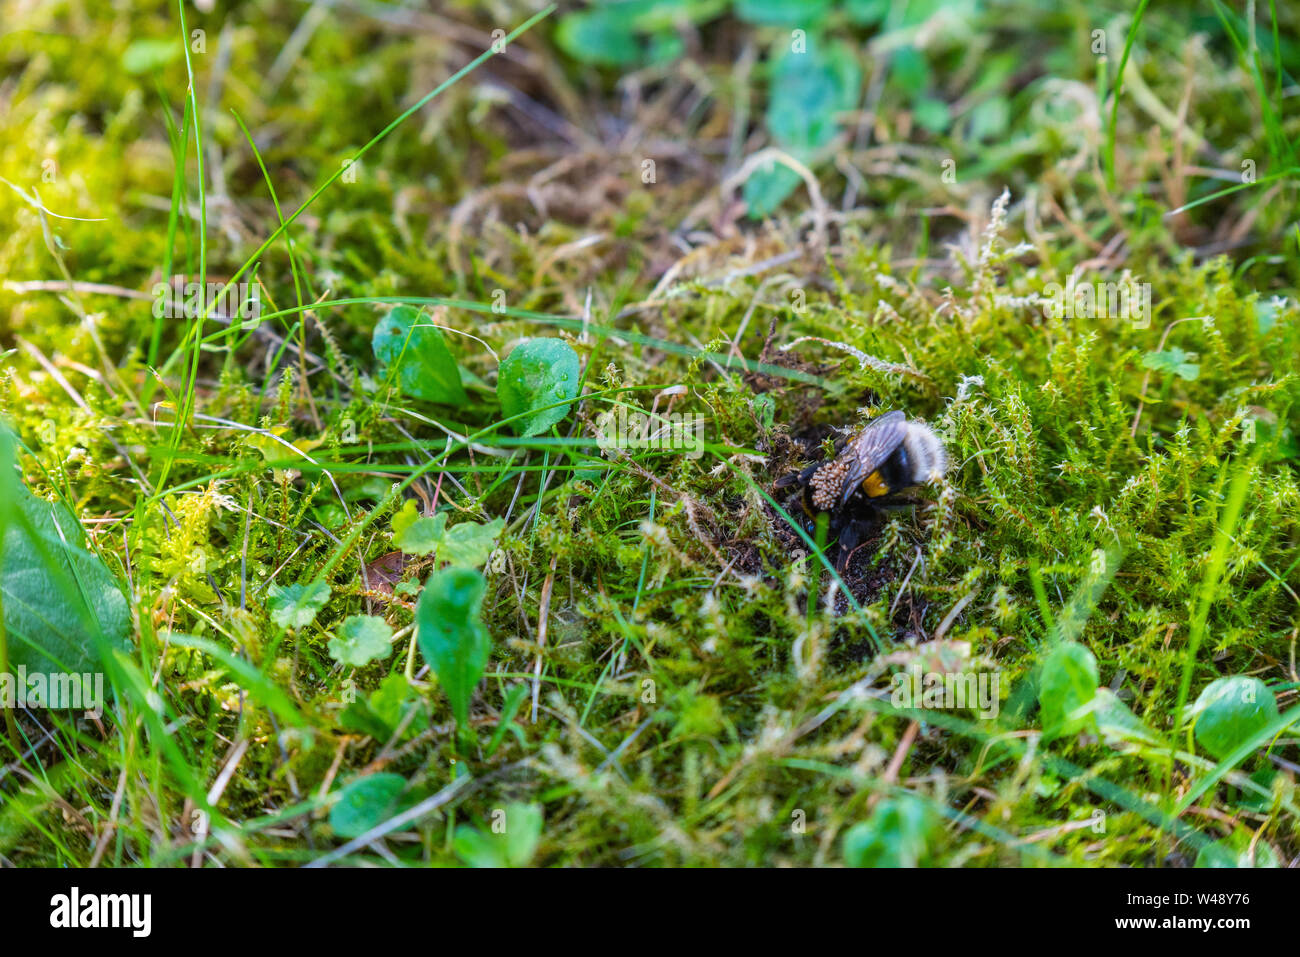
{"x": 1213, "y": 573}
{"x": 1119, "y": 87}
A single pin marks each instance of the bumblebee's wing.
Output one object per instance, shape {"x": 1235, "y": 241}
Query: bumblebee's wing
{"x": 869, "y": 449}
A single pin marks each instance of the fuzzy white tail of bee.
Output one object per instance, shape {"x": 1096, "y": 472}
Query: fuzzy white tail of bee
{"x": 925, "y": 453}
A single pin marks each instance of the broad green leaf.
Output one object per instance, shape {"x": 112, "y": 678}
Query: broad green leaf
{"x": 990, "y": 119}
{"x": 768, "y": 186}
{"x": 362, "y": 639}
{"x": 664, "y": 48}
{"x": 393, "y": 698}
{"x": 1116, "y": 721}
{"x": 147, "y": 55}
{"x": 866, "y": 13}
{"x": 373, "y": 488}
{"x": 1230, "y": 710}
{"x": 1173, "y": 360}
{"x": 631, "y": 32}
{"x": 330, "y": 515}
{"x": 478, "y": 849}
{"x": 367, "y": 802}
{"x": 523, "y": 833}
{"x": 452, "y": 636}
{"x": 651, "y": 16}
{"x": 896, "y": 835}
{"x": 512, "y": 842}
{"x": 932, "y": 114}
{"x": 794, "y": 13}
{"x": 536, "y": 373}
{"x": 808, "y": 92}
{"x": 468, "y": 544}
{"x": 602, "y": 36}
{"x": 1068, "y": 682}
{"x": 909, "y": 72}
{"x": 1236, "y": 851}
{"x": 409, "y": 342}
{"x": 62, "y": 607}
{"x": 296, "y": 606}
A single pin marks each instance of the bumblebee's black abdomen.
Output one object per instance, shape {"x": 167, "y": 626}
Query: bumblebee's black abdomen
{"x": 896, "y": 472}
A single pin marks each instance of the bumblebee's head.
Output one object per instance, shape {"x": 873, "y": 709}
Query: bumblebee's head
{"x": 926, "y": 457}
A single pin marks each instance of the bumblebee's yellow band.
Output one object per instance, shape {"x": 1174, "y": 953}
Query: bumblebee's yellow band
{"x": 874, "y": 485}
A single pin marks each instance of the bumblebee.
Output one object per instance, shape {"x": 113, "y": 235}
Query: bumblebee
{"x": 892, "y": 454}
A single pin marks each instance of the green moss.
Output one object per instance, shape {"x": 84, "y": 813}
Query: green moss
{"x": 703, "y": 694}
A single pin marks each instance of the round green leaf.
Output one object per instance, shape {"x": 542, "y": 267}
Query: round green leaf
{"x": 809, "y": 90}
{"x": 1230, "y": 710}
{"x": 601, "y": 36}
{"x": 516, "y": 831}
{"x": 361, "y": 640}
{"x": 537, "y": 373}
{"x": 1068, "y": 682}
{"x": 367, "y": 802}
{"x": 296, "y": 606}
{"x": 410, "y": 342}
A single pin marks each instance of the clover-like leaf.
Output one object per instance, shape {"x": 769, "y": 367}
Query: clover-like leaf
{"x": 1230, "y": 710}
{"x": 417, "y": 534}
{"x": 412, "y": 344}
{"x": 537, "y": 373}
{"x": 630, "y": 32}
{"x": 1068, "y": 682}
{"x": 296, "y": 606}
{"x": 361, "y": 639}
{"x": 1173, "y": 360}
{"x": 468, "y": 544}
{"x": 896, "y": 835}
{"x": 451, "y": 634}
